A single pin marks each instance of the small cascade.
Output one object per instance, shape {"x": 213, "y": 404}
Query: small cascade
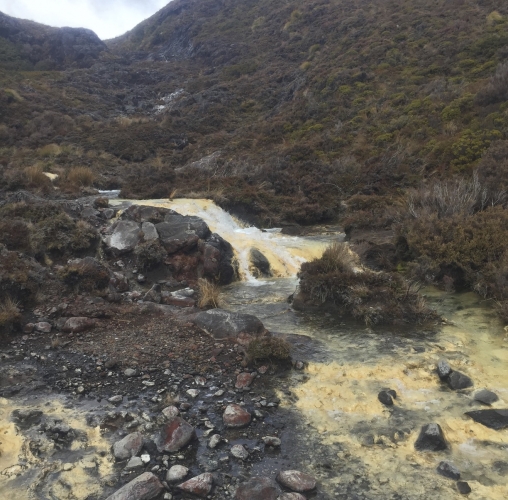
{"x": 285, "y": 253}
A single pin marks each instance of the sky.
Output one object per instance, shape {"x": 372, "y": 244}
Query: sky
{"x": 108, "y": 18}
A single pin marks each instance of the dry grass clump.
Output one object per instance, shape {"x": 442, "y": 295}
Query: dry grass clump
{"x": 35, "y": 177}
{"x": 338, "y": 257}
{"x": 49, "y": 150}
{"x": 209, "y": 294}
{"x": 150, "y": 254}
{"x": 9, "y": 314}
{"x": 81, "y": 176}
{"x": 268, "y": 348}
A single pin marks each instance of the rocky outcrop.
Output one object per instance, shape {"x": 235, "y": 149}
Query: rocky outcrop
{"x": 46, "y": 48}
{"x": 223, "y": 324}
{"x": 160, "y": 236}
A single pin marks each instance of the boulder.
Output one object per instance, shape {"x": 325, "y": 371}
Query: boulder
{"x": 181, "y": 232}
{"x": 145, "y": 487}
{"x": 149, "y": 231}
{"x": 218, "y": 259}
{"x": 493, "y": 419}
{"x": 296, "y": 480}
{"x": 260, "y": 263}
{"x": 42, "y": 327}
{"x": 447, "y": 469}
{"x": 457, "y": 380}
{"x": 78, "y": 324}
{"x": 486, "y": 397}
{"x": 125, "y": 235}
{"x": 257, "y": 488}
{"x": 129, "y": 446}
{"x": 200, "y": 485}
{"x": 175, "y": 435}
{"x": 176, "y": 473}
{"x": 431, "y": 438}
{"x": 222, "y": 324}
{"x": 174, "y": 299}
{"x": 142, "y": 213}
{"x": 235, "y": 416}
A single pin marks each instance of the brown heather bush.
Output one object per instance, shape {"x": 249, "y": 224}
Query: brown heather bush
{"x": 15, "y": 234}
{"x": 372, "y": 297}
{"x": 85, "y": 275}
{"x": 209, "y": 294}
{"x": 36, "y": 178}
{"x": 150, "y": 254}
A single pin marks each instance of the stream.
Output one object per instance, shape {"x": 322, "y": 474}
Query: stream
{"x": 354, "y": 445}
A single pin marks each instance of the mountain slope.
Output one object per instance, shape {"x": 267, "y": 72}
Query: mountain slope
{"x": 28, "y": 45}
{"x": 281, "y": 109}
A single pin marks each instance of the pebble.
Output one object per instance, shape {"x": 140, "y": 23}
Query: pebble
{"x": 145, "y": 458}
{"x": 238, "y": 451}
{"x": 130, "y": 372}
{"x": 214, "y": 441}
{"x": 115, "y": 399}
{"x": 463, "y": 487}
{"x": 271, "y": 441}
{"x": 447, "y": 469}
{"x": 176, "y": 473}
{"x": 193, "y": 393}
{"x": 235, "y": 416}
{"x": 200, "y": 485}
{"x": 134, "y": 463}
{"x": 296, "y": 480}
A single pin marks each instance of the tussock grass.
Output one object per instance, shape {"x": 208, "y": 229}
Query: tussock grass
{"x": 273, "y": 349}
{"x": 9, "y": 313}
{"x": 209, "y": 294}
{"x": 36, "y": 177}
{"x": 81, "y": 176}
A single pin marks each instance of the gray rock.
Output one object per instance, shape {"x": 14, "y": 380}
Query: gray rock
{"x": 42, "y": 327}
{"x": 79, "y": 324}
{"x": 238, "y": 451}
{"x": 447, "y": 469}
{"x": 129, "y": 446}
{"x": 149, "y": 231}
{"x": 134, "y": 463}
{"x": 200, "y": 485}
{"x": 176, "y": 474}
{"x": 296, "y": 480}
{"x": 260, "y": 263}
{"x": 170, "y": 412}
{"x": 431, "y": 438}
{"x": 181, "y": 233}
{"x": 271, "y": 441}
{"x": 486, "y": 397}
{"x": 292, "y": 496}
{"x": 257, "y": 488}
{"x": 458, "y": 380}
{"x": 218, "y": 260}
{"x": 124, "y": 237}
{"x": 119, "y": 282}
{"x": 222, "y": 324}
{"x": 145, "y": 487}
{"x": 443, "y": 369}
{"x": 115, "y": 399}
{"x": 493, "y": 419}
{"x": 214, "y": 441}
{"x": 130, "y": 372}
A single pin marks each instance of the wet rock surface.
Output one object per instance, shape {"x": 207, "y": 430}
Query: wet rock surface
{"x": 431, "y": 438}
{"x": 447, "y": 469}
{"x": 494, "y": 419}
{"x": 145, "y": 487}
{"x": 296, "y": 480}
{"x": 223, "y": 324}
{"x": 257, "y": 488}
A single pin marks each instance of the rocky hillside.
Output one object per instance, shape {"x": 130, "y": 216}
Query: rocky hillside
{"x": 276, "y": 110}
{"x": 25, "y": 45}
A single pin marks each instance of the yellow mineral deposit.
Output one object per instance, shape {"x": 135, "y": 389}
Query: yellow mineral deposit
{"x": 75, "y": 481}
{"x": 340, "y": 397}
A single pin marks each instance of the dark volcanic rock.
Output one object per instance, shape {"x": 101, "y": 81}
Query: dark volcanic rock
{"x": 176, "y": 435}
{"x": 443, "y": 369}
{"x": 260, "y": 262}
{"x": 181, "y": 232}
{"x": 200, "y": 485}
{"x": 218, "y": 258}
{"x": 493, "y": 419}
{"x": 463, "y": 487}
{"x": 458, "y": 380}
{"x": 486, "y": 397}
{"x": 447, "y": 469}
{"x": 25, "y": 419}
{"x": 145, "y": 487}
{"x": 385, "y": 398}
{"x": 222, "y": 324}
{"x": 257, "y": 488}
{"x": 125, "y": 235}
{"x": 431, "y": 438}
{"x": 296, "y": 480}
{"x": 79, "y": 324}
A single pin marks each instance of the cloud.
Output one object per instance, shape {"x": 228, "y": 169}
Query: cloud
{"x": 108, "y": 18}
